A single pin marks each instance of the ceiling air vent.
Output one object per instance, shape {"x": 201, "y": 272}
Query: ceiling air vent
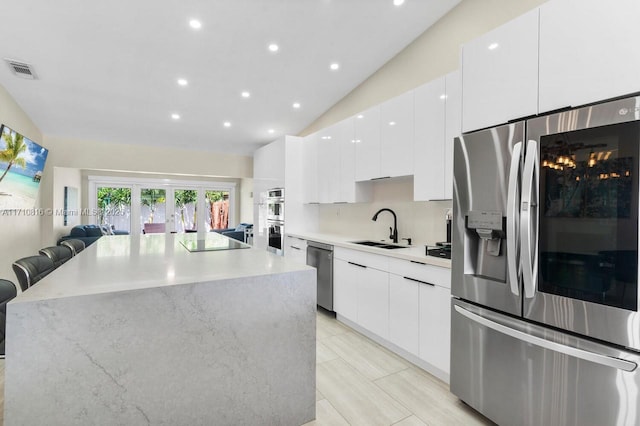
{"x": 21, "y": 69}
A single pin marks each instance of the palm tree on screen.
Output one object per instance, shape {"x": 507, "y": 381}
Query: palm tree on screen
{"x": 11, "y": 154}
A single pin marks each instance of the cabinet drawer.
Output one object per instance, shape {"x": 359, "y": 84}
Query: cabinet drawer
{"x": 421, "y": 272}
{"x": 361, "y": 258}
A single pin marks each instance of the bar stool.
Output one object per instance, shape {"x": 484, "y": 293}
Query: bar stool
{"x": 7, "y": 292}
{"x": 30, "y": 270}
{"x": 59, "y": 254}
{"x": 76, "y": 246}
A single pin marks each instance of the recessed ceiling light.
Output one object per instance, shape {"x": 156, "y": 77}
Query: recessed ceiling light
{"x": 398, "y": 2}
{"x": 392, "y": 123}
{"x": 182, "y": 82}
{"x": 443, "y": 96}
{"x": 271, "y": 131}
{"x": 175, "y": 116}
{"x": 245, "y": 94}
{"x": 226, "y": 124}
{"x": 360, "y": 116}
{"x": 296, "y": 105}
{"x": 334, "y": 66}
{"x": 195, "y": 24}
{"x": 273, "y": 47}
{"x": 493, "y": 46}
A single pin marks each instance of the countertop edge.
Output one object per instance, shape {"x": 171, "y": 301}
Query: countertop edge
{"x": 343, "y": 241}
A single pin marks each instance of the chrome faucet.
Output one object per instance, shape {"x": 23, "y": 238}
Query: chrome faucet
{"x": 394, "y": 231}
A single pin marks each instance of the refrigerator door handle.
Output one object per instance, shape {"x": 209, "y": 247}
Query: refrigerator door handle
{"x": 605, "y": 360}
{"x": 528, "y": 217}
{"x": 513, "y": 201}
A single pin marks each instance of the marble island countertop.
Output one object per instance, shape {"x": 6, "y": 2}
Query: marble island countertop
{"x": 414, "y": 253}
{"x": 134, "y": 262}
{"x": 138, "y": 330}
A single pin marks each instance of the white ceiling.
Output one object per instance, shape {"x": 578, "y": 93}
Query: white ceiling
{"x": 108, "y": 70}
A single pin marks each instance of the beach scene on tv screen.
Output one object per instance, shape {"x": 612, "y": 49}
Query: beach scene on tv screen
{"x": 21, "y": 165}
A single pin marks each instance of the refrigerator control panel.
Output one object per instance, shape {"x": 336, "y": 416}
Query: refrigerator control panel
{"x": 485, "y": 220}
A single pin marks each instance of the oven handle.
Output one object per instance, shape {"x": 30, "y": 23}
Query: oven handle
{"x": 528, "y": 218}
{"x": 513, "y": 219}
{"x": 605, "y": 360}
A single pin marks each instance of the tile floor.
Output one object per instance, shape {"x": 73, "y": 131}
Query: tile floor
{"x": 361, "y": 383}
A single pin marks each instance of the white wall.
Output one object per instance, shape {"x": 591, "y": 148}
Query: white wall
{"x": 20, "y": 234}
{"x": 62, "y": 177}
{"x": 423, "y": 222}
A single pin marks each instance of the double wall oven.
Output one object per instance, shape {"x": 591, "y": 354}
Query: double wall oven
{"x": 545, "y": 322}
{"x": 275, "y": 220}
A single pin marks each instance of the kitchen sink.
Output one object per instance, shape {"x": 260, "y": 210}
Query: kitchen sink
{"x": 369, "y": 243}
{"x": 378, "y": 244}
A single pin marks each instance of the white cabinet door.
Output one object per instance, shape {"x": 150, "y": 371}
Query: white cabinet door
{"x": 429, "y": 145}
{"x": 404, "y": 313}
{"x": 453, "y": 126}
{"x": 328, "y": 165}
{"x": 345, "y": 289}
{"x": 295, "y": 249}
{"x": 435, "y": 325}
{"x": 310, "y": 172}
{"x": 367, "y": 140}
{"x": 396, "y": 136}
{"x": 588, "y": 51}
{"x": 346, "y": 169}
{"x": 373, "y": 300}
{"x": 500, "y": 74}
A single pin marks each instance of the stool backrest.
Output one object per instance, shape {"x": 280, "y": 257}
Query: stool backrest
{"x": 29, "y": 270}
{"x": 59, "y": 254}
{"x": 76, "y": 246}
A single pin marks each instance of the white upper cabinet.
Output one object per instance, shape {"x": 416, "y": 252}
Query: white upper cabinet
{"x": 500, "y": 74}
{"x": 348, "y": 190}
{"x": 453, "y": 126}
{"x": 429, "y": 145}
{"x": 310, "y": 172}
{"x": 328, "y": 165}
{"x": 367, "y": 141}
{"x": 588, "y": 51}
{"x": 396, "y": 136}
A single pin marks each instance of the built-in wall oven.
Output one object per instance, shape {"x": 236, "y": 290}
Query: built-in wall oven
{"x": 275, "y": 235}
{"x": 275, "y": 220}
{"x": 545, "y": 320}
{"x": 275, "y": 204}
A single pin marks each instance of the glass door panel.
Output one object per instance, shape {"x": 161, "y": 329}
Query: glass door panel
{"x": 217, "y": 209}
{"x": 153, "y": 210}
{"x": 588, "y": 246}
{"x": 114, "y": 207}
{"x": 185, "y": 210}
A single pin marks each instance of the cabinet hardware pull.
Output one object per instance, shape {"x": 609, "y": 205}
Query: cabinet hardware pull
{"x": 294, "y": 247}
{"x": 418, "y": 281}
{"x": 419, "y": 263}
{"x": 356, "y": 264}
{"x": 383, "y": 177}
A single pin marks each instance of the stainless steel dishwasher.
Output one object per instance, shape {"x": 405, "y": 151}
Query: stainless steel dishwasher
{"x": 320, "y": 256}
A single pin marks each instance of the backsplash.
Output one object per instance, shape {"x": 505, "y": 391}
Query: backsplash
{"x": 422, "y": 221}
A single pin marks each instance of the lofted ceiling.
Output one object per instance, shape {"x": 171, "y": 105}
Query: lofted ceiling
{"x": 107, "y": 71}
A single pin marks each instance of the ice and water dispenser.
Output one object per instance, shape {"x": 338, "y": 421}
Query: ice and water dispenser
{"x": 485, "y": 246}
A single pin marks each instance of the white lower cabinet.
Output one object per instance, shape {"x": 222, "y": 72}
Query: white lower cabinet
{"x": 373, "y": 300}
{"x": 295, "y": 249}
{"x": 345, "y": 289}
{"x": 435, "y": 325}
{"x": 404, "y": 313}
{"x": 406, "y": 304}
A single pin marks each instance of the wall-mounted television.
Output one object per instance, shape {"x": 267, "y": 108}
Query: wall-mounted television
{"x": 21, "y": 166}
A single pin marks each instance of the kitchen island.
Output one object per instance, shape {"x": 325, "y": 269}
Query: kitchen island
{"x": 139, "y": 330}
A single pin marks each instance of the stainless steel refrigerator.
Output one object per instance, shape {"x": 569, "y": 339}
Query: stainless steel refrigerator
{"x": 545, "y": 323}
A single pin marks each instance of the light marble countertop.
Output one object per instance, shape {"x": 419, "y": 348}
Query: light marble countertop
{"x": 415, "y": 253}
{"x": 132, "y": 262}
